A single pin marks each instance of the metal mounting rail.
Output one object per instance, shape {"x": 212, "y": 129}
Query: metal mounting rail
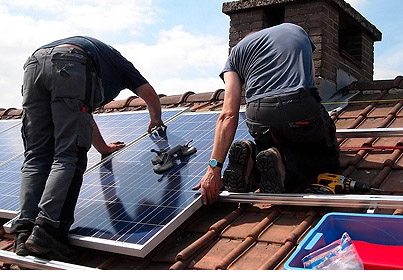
{"x": 37, "y": 263}
{"x": 369, "y": 132}
{"x": 350, "y": 201}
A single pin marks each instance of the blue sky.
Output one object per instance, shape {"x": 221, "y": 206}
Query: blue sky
{"x": 178, "y": 45}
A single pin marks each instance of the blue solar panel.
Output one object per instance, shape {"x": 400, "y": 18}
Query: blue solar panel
{"x": 10, "y": 175}
{"x": 11, "y": 150}
{"x": 123, "y": 127}
{"x": 114, "y": 127}
{"x": 6, "y": 124}
{"x": 10, "y": 144}
{"x": 125, "y": 207}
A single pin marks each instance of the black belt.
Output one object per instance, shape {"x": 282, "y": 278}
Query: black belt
{"x": 302, "y": 93}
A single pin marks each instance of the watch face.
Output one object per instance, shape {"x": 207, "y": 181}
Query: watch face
{"x": 213, "y": 162}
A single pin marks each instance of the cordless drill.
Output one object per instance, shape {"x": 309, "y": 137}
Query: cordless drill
{"x": 337, "y": 184}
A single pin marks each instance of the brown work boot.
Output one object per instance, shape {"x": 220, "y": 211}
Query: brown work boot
{"x": 238, "y": 176}
{"x": 272, "y": 171}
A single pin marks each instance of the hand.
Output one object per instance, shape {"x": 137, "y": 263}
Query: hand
{"x": 210, "y": 185}
{"x": 112, "y": 147}
{"x": 155, "y": 124}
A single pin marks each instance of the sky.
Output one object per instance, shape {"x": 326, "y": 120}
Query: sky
{"x": 178, "y": 45}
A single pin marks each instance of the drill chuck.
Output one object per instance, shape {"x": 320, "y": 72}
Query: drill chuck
{"x": 359, "y": 187}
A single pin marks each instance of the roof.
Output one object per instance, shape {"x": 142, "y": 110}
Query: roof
{"x": 245, "y": 236}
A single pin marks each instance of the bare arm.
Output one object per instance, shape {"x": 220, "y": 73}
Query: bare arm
{"x": 148, "y": 94}
{"x": 99, "y": 143}
{"x": 226, "y": 126}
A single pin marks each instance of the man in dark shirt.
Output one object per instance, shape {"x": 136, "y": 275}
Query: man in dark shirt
{"x": 294, "y": 135}
{"x": 63, "y": 82}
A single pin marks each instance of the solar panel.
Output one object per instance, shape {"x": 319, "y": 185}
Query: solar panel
{"x": 11, "y": 144}
{"x": 114, "y": 127}
{"x": 7, "y": 124}
{"x": 123, "y": 127}
{"x": 10, "y": 174}
{"x": 125, "y": 207}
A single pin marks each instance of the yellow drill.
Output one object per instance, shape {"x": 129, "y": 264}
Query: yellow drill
{"x": 338, "y": 184}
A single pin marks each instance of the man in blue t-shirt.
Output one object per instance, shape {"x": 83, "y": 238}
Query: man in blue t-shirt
{"x": 294, "y": 135}
{"x": 63, "y": 82}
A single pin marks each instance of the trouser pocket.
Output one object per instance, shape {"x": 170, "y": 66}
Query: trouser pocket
{"x": 69, "y": 76}
{"x": 305, "y": 130}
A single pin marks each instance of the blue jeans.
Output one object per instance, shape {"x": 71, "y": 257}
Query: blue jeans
{"x": 57, "y": 134}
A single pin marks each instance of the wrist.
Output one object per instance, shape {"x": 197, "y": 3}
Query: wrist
{"x": 215, "y": 164}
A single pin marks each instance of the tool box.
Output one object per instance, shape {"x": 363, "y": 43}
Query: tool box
{"x": 377, "y": 238}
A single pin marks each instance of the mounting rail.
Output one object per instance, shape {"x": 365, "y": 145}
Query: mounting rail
{"x": 349, "y": 201}
{"x": 369, "y": 132}
{"x": 37, "y": 263}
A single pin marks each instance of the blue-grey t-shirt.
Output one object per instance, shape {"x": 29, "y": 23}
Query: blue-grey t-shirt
{"x": 273, "y": 61}
{"x": 115, "y": 71}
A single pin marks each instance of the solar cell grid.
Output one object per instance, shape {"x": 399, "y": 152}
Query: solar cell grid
{"x": 124, "y": 206}
{"x": 10, "y": 144}
{"x": 115, "y": 127}
{"x": 123, "y": 200}
{"x": 10, "y": 187}
{"x": 6, "y": 124}
{"x": 123, "y": 127}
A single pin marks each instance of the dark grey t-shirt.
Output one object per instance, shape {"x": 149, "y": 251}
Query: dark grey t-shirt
{"x": 273, "y": 61}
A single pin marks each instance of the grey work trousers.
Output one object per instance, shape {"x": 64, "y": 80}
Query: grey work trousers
{"x": 301, "y": 129}
{"x": 57, "y": 134}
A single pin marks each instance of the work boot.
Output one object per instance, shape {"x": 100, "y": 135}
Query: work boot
{"x": 272, "y": 171}
{"x": 239, "y": 177}
{"x": 42, "y": 243}
{"x": 19, "y": 244}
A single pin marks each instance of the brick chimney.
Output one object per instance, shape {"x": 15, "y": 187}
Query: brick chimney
{"x": 344, "y": 39}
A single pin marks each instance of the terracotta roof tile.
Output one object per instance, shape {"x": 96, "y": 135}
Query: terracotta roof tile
{"x": 213, "y": 255}
{"x": 243, "y": 226}
{"x": 394, "y": 182}
{"x": 256, "y": 256}
{"x": 169, "y": 252}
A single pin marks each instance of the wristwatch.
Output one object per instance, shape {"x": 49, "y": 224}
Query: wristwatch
{"x": 215, "y": 163}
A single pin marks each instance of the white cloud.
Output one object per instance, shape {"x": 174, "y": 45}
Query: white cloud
{"x": 179, "y": 61}
{"x": 177, "y": 53}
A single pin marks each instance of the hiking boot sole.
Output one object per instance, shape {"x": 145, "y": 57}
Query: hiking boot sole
{"x": 267, "y": 164}
{"x": 235, "y": 174}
